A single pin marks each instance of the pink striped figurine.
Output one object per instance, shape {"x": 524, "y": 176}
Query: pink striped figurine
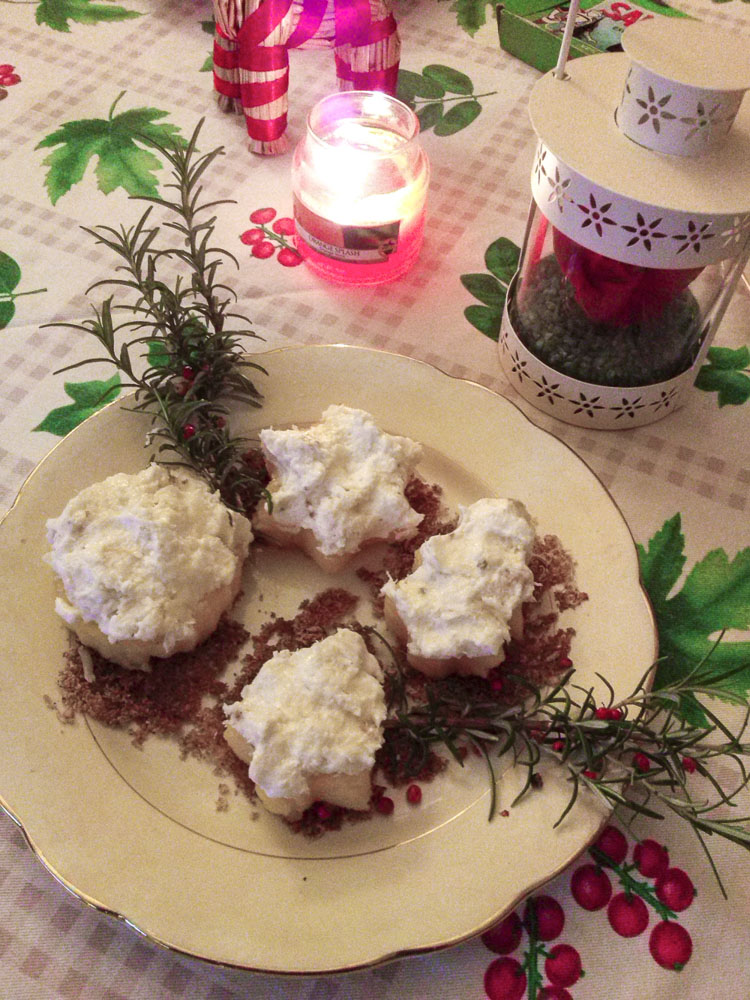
{"x": 251, "y": 55}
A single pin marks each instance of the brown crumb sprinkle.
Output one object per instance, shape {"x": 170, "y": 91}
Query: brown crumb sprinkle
{"x": 163, "y": 700}
{"x": 183, "y": 696}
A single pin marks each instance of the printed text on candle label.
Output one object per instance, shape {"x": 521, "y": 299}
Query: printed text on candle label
{"x": 354, "y": 244}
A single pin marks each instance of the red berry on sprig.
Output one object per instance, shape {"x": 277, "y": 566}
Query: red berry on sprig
{"x": 288, "y": 257}
{"x": 263, "y": 249}
{"x": 670, "y": 945}
{"x": 251, "y": 236}
{"x": 641, "y": 762}
{"x": 283, "y": 226}
{"x": 505, "y": 980}
{"x": 689, "y": 765}
{"x": 558, "y": 746}
{"x": 563, "y": 967}
{"x": 591, "y": 887}
{"x": 602, "y": 712}
{"x": 544, "y": 918}
{"x": 188, "y": 431}
{"x": 651, "y": 858}
{"x": 591, "y": 775}
{"x": 627, "y": 914}
{"x": 188, "y": 373}
{"x": 505, "y": 936}
{"x": 612, "y": 843}
{"x": 553, "y": 993}
{"x": 674, "y": 889}
{"x": 261, "y": 216}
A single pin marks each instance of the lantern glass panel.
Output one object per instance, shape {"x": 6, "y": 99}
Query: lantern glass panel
{"x": 602, "y": 320}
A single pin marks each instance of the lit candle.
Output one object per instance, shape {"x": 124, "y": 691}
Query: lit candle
{"x": 360, "y": 184}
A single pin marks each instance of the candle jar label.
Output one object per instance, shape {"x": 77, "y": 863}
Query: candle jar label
{"x": 353, "y": 244}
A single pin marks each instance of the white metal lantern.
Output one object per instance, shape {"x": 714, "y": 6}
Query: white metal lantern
{"x": 639, "y": 226}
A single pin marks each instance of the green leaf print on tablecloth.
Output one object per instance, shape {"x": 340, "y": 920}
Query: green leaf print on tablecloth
{"x": 88, "y": 397}
{"x": 10, "y": 276}
{"x": 714, "y": 597}
{"x": 57, "y": 13}
{"x": 209, "y": 28}
{"x": 118, "y": 142}
{"x": 501, "y": 259}
{"x": 728, "y": 374}
{"x": 471, "y": 15}
{"x": 426, "y": 94}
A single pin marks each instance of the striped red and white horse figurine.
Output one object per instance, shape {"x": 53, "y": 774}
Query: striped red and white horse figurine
{"x": 251, "y": 55}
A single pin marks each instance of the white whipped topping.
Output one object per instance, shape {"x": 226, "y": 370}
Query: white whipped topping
{"x": 460, "y": 600}
{"x": 343, "y": 479}
{"x": 137, "y": 553}
{"x": 318, "y": 710}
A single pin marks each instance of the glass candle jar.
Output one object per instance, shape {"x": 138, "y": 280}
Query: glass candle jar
{"x": 359, "y": 180}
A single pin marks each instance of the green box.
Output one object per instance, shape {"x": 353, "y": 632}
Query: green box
{"x": 532, "y": 30}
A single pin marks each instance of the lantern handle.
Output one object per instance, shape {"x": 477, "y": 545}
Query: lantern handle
{"x": 567, "y": 38}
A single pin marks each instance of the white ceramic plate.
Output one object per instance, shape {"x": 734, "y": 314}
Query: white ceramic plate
{"x": 137, "y": 832}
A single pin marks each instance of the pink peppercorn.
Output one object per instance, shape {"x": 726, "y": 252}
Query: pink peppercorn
{"x": 414, "y": 794}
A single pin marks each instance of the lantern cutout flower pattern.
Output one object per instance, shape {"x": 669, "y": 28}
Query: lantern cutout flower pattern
{"x": 251, "y": 55}
{"x": 639, "y": 226}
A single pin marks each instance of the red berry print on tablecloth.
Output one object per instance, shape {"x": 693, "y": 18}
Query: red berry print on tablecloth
{"x": 675, "y": 889}
{"x": 505, "y": 980}
{"x": 545, "y": 967}
{"x": 504, "y": 937}
{"x": 613, "y": 843}
{"x": 288, "y": 257}
{"x": 8, "y": 78}
{"x": 544, "y": 916}
{"x": 268, "y": 236}
{"x": 591, "y": 887}
{"x": 251, "y": 236}
{"x": 670, "y": 945}
{"x": 262, "y": 215}
{"x": 543, "y": 921}
{"x": 670, "y": 892}
{"x": 553, "y": 993}
{"x": 263, "y": 249}
{"x": 283, "y": 226}
{"x": 651, "y": 859}
{"x": 563, "y": 966}
{"x": 627, "y": 915}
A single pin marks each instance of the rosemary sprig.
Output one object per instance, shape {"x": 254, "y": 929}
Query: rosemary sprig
{"x": 636, "y": 755}
{"x": 183, "y": 325}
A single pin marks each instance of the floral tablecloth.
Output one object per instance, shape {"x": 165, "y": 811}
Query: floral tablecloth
{"x": 78, "y": 81}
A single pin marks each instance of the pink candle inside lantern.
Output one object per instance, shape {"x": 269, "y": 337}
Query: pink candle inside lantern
{"x": 360, "y": 183}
